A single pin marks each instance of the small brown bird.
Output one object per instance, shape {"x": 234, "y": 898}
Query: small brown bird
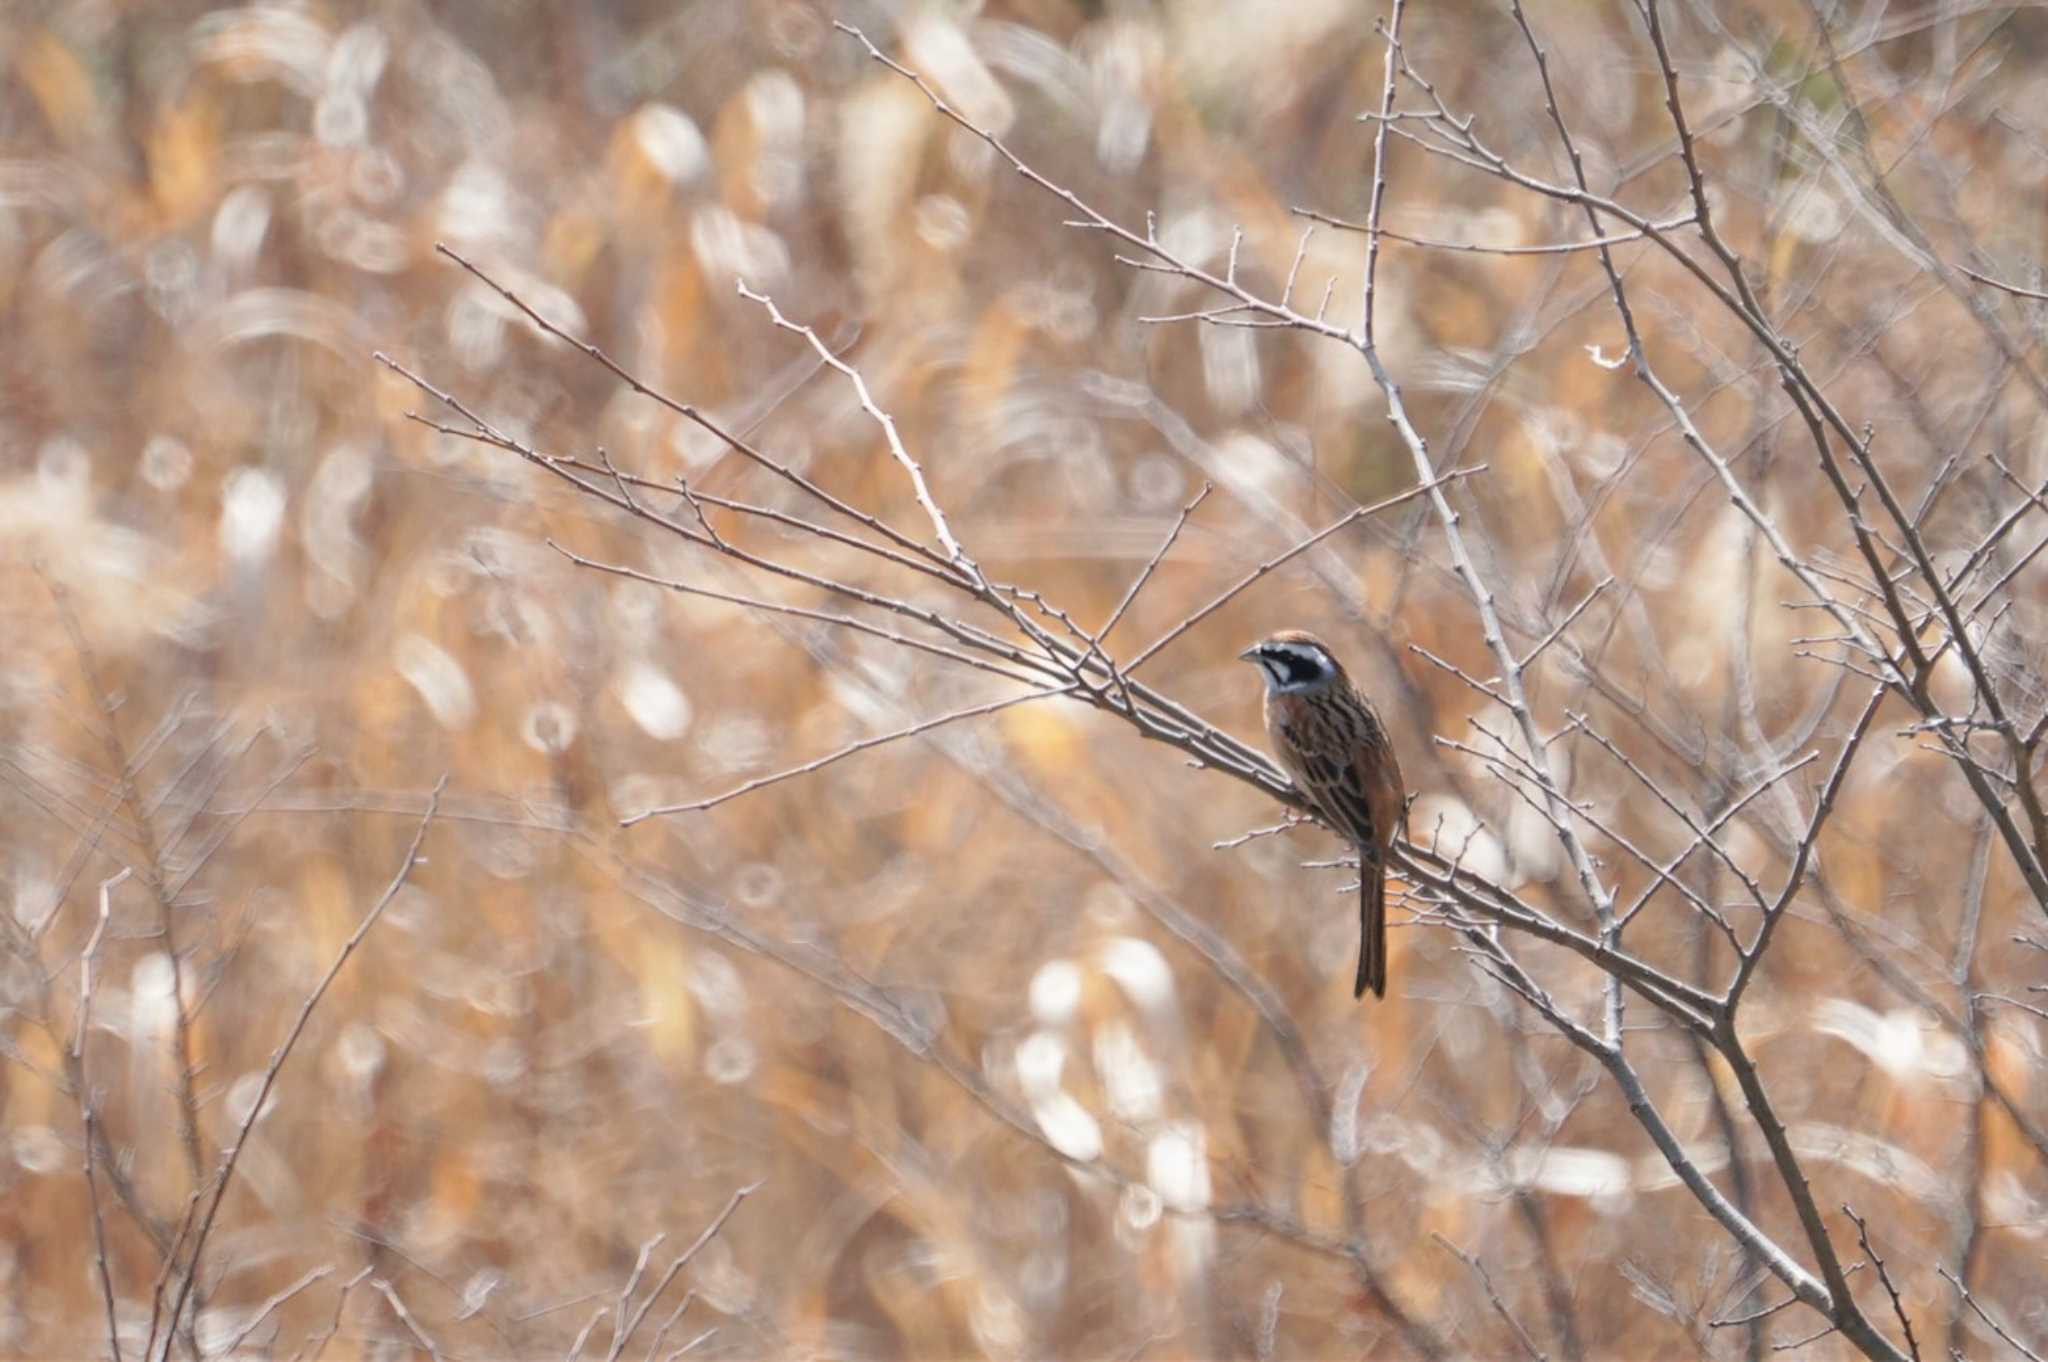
{"x": 1331, "y": 741}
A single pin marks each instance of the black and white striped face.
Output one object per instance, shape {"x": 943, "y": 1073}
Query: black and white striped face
{"x": 1292, "y": 666}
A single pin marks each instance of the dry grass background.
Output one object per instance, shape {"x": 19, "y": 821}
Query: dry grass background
{"x": 302, "y": 609}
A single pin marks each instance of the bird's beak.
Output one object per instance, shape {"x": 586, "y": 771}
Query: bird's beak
{"x": 1250, "y": 654}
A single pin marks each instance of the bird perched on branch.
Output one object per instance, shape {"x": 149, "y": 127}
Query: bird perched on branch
{"x": 1332, "y": 742}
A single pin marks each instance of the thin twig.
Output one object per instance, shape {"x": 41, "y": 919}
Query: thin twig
{"x": 1548, "y": 248}
{"x": 225, "y": 1175}
{"x": 887, "y": 423}
{"x": 685, "y": 410}
{"x": 1151, "y": 565}
{"x": 152, "y": 875}
{"x": 1350, "y": 517}
{"x": 270, "y": 1306}
{"x": 624, "y": 1335}
{"x": 2014, "y": 289}
{"x": 86, "y": 1103}
{"x": 319, "y": 1346}
{"x": 412, "y": 1326}
{"x": 879, "y": 740}
{"x": 1884, "y": 1276}
{"x": 1990, "y": 1320}
{"x": 1478, "y": 1269}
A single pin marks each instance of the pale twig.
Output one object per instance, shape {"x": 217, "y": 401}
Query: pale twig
{"x": 1990, "y": 1320}
{"x": 583, "y": 1334}
{"x": 880, "y": 739}
{"x": 2041, "y": 1012}
{"x": 85, "y": 1102}
{"x": 1548, "y": 248}
{"x": 1885, "y": 1277}
{"x": 1715, "y": 824}
{"x": 334, "y": 1325}
{"x": 822, "y": 617}
{"x": 87, "y": 843}
{"x": 2014, "y": 289}
{"x": 685, "y": 410}
{"x": 1731, "y": 1322}
{"x": 270, "y": 1306}
{"x": 1232, "y": 842}
{"x": 1357, "y": 513}
{"x": 1094, "y": 641}
{"x": 1512, "y": 693}
{"x": 1802, "y": 855}
{"x": 795, "y": 522}
{"x": 543, "y": 1311}
{"x": 626, "y": 1292}
{"x": 1578, "y": 723}
{"x": 1796, "y": 1344}
{"x": 219, "y": 836}
{"x": 628, "y": 1327}
{"x": 1478, "y": 1269}
{"x": 882, "y": 419}
{"x": 85, "y": 822}
{"x": 169, "y": 1263}
{"x": 1571, "y": 616}
{"x": 1220, "y": 316}
{"x": 1151, "y": 565}
{"x": 978, "y": 587}
{"x": 691, "y": 1346}
{"x": 674, "y": 1317}
{"x": 1445, "y": 878}
{"x": 225, "y": 1175}
{"x": 152, "y": 876}
{"x": 412, "y": 1326}
{"x": 472, "y": 1305}
{"x": 1294, "y": 268}
{"x": 1446, "y": 665}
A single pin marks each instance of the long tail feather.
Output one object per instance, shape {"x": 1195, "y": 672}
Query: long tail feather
{"x": 1372, "y": 927}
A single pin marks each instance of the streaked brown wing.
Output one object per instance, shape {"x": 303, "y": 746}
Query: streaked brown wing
{"x": 1341, "y": 758}
{"x": 1385, "y": 792}
{"x": 1340, "y": 790}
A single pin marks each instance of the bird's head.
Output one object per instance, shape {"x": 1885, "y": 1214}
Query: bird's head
{"x": 1294, "y": 662}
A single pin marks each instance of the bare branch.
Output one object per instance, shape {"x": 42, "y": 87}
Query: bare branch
{"x": 270, "y": 1306}
{"x": 880, "y": 739}
{"x": 882, "y": 419}
{"x": 683, "y": 409}
{"x": 1898, "y": 1305}
{"x": 86, "y": 1103}
{"x": 226, "y": 1172}
{"x": 623, "y": 1333}
{"x": 2014, "y": 289}
{"x": 412, "y": 1326}
{"x": 1990, "y": 1320}
{"x": 1151, "y": 565}
{"x": 1549, "y": 248}
{"x": 1478, "y": 1269}
{"x": 1349, "y": 517}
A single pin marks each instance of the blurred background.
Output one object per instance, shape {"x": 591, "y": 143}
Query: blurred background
{"x": 252, "y": 614}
